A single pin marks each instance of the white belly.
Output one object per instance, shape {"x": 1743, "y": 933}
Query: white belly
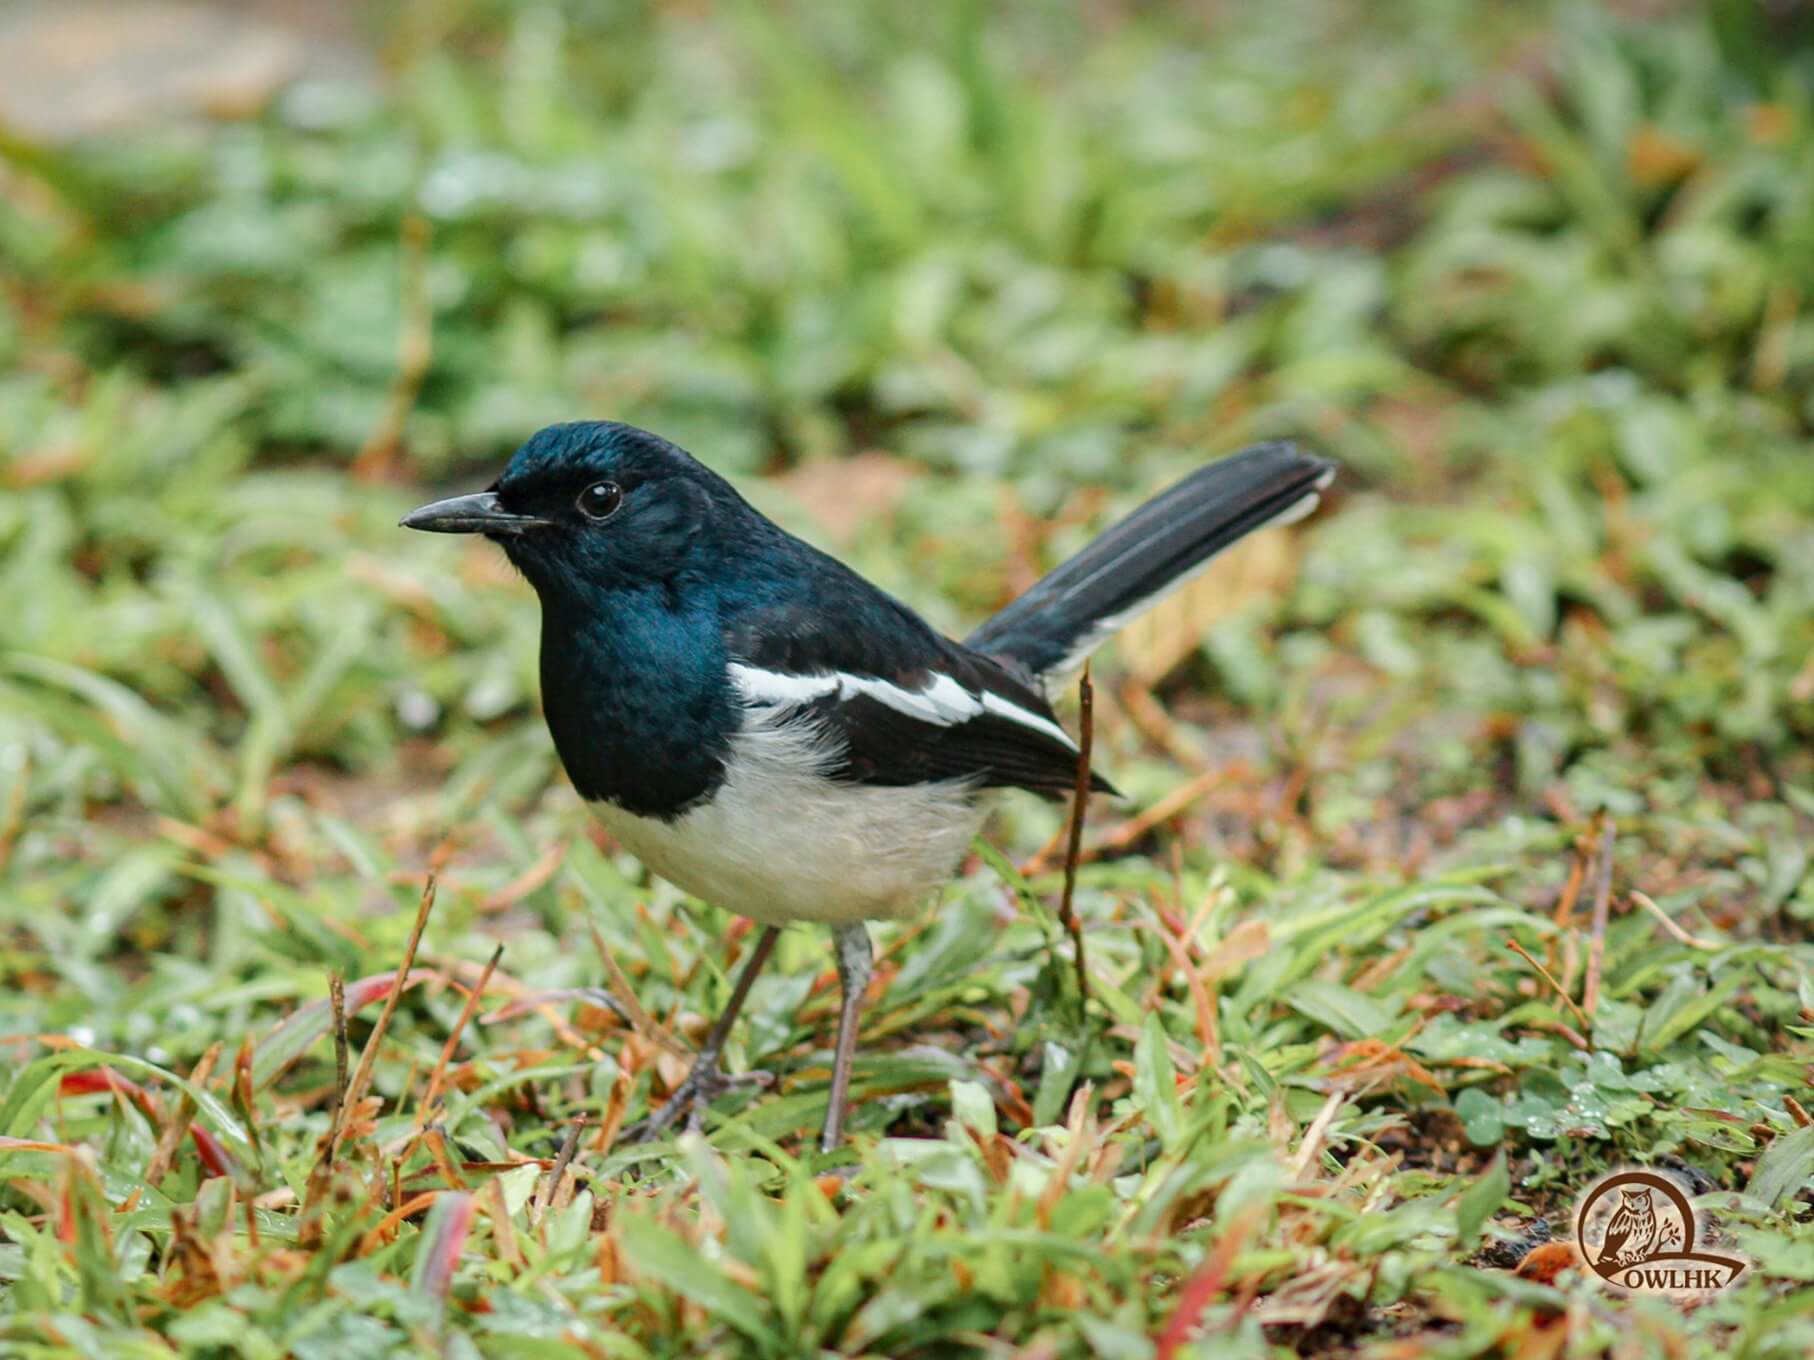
{"x": 779, "y": 842}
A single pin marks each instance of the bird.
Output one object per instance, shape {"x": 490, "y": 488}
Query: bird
{"x": 771, "y": 732}
{"x": 1631, "y": 1230}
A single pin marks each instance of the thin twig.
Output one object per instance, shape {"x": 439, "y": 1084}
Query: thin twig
{"x": 1080, "y": 798}
{"x": 1208, "y": 1032}
{"x": 1590, "y": 995}
{"x": 436, "y": 1077}
{"x": 1568, "y": 1032}
{"x": 433, "y": 1141}
{"x": 628, "y": 1008}
{"x": 1548, "y": 977}
{"x": 381, "y": 1231}
{"x": 241, "y": 1086}
{"x": 342, "y": 1066}
{"x": 1675, "y": 931}
{"x": 1316, "y": 1135}
{"x": 368, "y": 1057}
{"x": 617, "y": 1105}
{"x": 321, "y": 1175}
{"x": 547, "y": 1195}
{"x": 171, "y": 1136}
{"x": 1571, "y": 890}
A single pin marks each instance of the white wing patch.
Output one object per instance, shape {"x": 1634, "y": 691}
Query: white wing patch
{"x": 942, "y": 701}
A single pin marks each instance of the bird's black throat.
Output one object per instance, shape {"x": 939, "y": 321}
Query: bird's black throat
{"x": 636, "y": 696}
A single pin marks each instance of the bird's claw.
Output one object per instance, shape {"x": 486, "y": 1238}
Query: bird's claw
{"x": 701, "y": 1086}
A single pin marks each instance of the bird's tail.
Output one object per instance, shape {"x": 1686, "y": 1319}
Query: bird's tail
{"x": 1073, "y": 610}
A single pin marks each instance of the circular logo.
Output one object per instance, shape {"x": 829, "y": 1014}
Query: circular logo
{"x": 1636, "y": 1230}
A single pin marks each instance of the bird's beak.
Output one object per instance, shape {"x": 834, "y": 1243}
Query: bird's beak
{"x": 479, "y": 513}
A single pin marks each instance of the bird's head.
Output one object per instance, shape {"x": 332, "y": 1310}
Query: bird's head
{"x": 590, "y": 505}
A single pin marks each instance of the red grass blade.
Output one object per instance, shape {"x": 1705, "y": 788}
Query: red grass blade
{"x": 443, "y": 1237}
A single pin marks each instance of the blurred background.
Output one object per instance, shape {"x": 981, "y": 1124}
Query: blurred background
{"x": 943, "y": 287}
{"x": 956, "y": 283}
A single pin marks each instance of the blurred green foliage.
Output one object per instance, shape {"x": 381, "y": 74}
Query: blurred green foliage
{"x": 1540, "y": 278}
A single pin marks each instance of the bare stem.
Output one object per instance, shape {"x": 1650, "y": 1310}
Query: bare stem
{"x": 1080, "y": 798}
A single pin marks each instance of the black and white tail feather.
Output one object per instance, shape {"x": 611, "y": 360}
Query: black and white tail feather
{"x": 1054, "y": 627}
{"x": 899, "y": 705}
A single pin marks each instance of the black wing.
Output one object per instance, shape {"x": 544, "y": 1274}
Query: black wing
{"x": 906, "y": 705}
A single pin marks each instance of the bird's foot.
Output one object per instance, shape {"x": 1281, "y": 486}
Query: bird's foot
{"x": 701, "y": 1086}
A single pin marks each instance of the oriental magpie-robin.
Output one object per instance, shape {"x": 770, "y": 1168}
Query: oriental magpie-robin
{"x": 766, "y": 729}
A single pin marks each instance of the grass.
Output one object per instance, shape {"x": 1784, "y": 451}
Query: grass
{"x": 1480, "y": 862}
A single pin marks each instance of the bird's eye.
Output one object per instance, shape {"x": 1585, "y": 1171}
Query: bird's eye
{"x": 600, "y": 500}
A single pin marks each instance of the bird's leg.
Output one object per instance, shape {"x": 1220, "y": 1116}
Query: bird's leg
{"x": 705, "y": 1078}
{"x": 856, "y": 961}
